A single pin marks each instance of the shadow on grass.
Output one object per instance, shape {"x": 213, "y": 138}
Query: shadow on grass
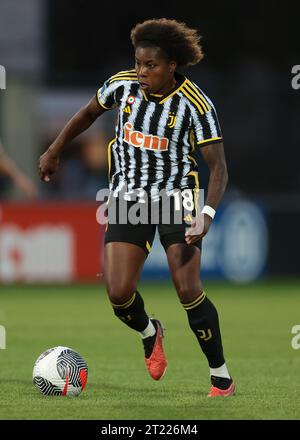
{"x": 165, "y": 392}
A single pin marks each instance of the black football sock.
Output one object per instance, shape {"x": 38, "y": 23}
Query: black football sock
{"x": 204, "y": 322}
{"x": 220, "y": 382}
{"x": 132, "y": 312}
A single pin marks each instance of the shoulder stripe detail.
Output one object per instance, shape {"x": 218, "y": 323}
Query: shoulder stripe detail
{"x": 197, "y": 97}
{"x": 124, "y": 72}
{"x": 209, "y": 140}
{"x": 124, "y": 78}
{"x": 201, "y": 96}
{"x": 199, "y": 107}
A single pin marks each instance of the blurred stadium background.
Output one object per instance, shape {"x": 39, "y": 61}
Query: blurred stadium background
{"x": 56, "y": 55}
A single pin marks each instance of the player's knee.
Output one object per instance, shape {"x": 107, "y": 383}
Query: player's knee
{"x": 187, "y": 291}
{"x": 119, "y": 293}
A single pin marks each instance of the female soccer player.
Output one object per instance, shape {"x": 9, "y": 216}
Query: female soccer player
{"x": 162, "y": 118}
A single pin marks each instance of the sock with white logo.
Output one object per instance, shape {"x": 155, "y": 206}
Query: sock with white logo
{"x": 220, "y": 372}
{"x": 149, "y": 337}
{"x": 149, "y": 330}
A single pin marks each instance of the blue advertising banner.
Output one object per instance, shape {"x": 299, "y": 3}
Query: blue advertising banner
{"x": 235, "y": 248}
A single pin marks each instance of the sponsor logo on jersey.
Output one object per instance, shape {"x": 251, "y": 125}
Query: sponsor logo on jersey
{"x": 148, "y": 141}
{"x": 127, "y": 109}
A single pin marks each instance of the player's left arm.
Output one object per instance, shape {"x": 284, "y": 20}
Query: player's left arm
{"x": 214, "y": 157}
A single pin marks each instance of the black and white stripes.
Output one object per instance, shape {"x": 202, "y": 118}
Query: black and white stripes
{"x": 152, "y": 149}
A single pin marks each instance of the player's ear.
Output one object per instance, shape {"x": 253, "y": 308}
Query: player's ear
{"x": 172, "y": 66}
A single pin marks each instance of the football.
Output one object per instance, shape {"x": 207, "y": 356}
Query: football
{"x": 60, "y": 371}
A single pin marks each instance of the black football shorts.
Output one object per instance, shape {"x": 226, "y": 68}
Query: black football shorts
{"x": 136, "y": 223}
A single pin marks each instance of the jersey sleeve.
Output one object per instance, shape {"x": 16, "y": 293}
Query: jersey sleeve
{"x": 206, "y": 125}
{"x": 107, "y": 95}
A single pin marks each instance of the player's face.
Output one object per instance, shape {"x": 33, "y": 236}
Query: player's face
{"x": 155, "y": 73}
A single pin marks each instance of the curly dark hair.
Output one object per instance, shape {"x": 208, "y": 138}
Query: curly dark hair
{"x": 178, "y": 42}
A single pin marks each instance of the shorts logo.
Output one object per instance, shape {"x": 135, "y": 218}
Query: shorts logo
{"x": 188, "y": 218}
{"x": 148, "y": 141}
{"x": 131, "y": 99}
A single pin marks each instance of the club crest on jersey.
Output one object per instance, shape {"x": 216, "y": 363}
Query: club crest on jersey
{"x": 141, "y": 140}
{"x": 172, "y": 119}
{"x": 131, "y": 99}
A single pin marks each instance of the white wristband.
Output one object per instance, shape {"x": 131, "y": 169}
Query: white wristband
{"x": 209, "y": 211}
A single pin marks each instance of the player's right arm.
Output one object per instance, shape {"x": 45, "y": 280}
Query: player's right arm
{"x": 81, "y": 121}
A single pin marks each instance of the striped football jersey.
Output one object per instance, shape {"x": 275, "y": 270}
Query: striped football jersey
{"x": 155, "y": 135}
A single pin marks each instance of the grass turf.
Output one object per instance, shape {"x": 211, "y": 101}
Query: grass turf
{"x": 256, "y": 322}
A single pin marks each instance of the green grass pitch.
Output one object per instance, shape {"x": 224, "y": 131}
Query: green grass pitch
{"x": 256, "y": 323}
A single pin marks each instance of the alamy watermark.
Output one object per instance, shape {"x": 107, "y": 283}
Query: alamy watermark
{"x": 138, "y": 207}
{"x": 2, "y": 78}
{"x": 296, "y": 339}
{"x": 296, "y": 79}
{"x": 2, "y": 337}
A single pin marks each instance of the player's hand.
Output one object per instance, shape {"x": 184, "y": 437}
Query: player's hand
{"x": 198, "y": 228}
{"x": 48, "y": 165}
